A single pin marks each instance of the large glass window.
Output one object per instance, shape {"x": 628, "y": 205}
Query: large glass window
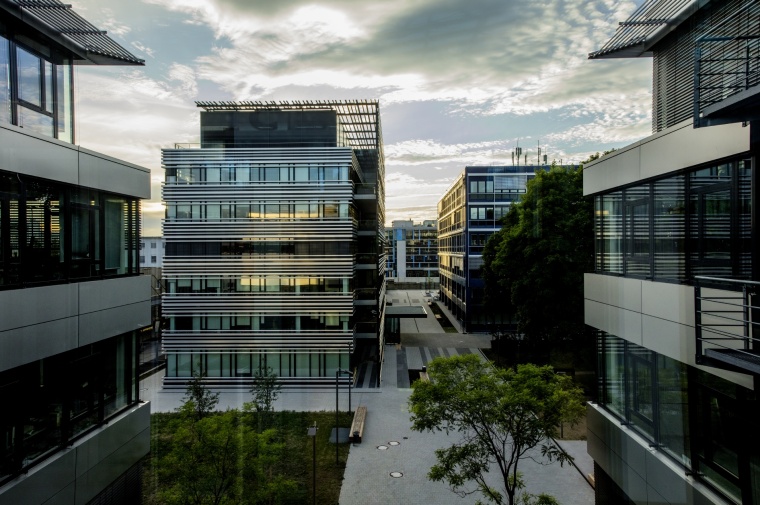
{"x": 678, "y": 227}
{"x": 706, "y": 423}
{"x": 50, "y": 232}
{"x": 59, "y": 398}
{"x": 5, "y": 81}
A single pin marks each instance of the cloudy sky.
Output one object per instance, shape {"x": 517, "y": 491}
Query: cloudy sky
{"x": 459, "y": 82}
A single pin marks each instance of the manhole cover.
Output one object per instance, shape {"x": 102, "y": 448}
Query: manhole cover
{"x": 396, "y": 475}
{"x": 382, "y": 447}
{"x": 393, "y": 443}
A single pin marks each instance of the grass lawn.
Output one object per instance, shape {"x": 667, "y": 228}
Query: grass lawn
{"x": 296, "y": 461}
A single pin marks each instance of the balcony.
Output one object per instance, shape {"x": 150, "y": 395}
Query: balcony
{"x": 727, "y": 70}
{"x": 727, "y": 324}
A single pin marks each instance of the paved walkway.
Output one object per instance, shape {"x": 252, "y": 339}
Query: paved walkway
{"x": 367, "y": 478}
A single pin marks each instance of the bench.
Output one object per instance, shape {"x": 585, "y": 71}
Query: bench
{"x": 357, "y": 427}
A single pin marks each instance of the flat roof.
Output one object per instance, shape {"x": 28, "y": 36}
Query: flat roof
{"x": 58, "y": 22}
{"x": 405, "y": 311}
{"x": 648, "y": 24}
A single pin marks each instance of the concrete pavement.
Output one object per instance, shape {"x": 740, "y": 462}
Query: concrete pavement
{"x": 368, "y": 478}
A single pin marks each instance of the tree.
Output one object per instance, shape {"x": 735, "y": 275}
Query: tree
{"x": 198, "y": 401}
{"x": 220, "y": 460}
{"x": 501, "y": 415}
{"x": 537, "y": 260}
{"x": 265, "y": 390}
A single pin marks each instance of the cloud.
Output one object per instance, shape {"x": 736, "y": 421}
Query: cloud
{"x": 485, "y": 56}
{"x": 143, "y": 48}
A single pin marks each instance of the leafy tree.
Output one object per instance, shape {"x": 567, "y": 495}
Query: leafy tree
{"x": 198, "y": 401}
{"x": 501, "y": 416}
{"x": 534, "y": 265}
{"x": 220, "y": 460}
{"x": 265, "y": 390}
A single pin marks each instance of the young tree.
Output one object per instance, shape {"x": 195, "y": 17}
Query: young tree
{"x": 265, "y": 390}
{"x": 198, "y": 401}
{"x": 501, "y": 416}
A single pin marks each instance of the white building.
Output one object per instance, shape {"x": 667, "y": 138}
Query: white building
{"x": 152, "y": 252}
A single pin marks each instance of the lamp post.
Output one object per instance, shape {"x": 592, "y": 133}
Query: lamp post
{"x": 312, "y": 432}
{"x": 338, "y": 373}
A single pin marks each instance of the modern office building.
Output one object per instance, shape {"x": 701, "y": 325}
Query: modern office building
{"x": 411, "y": 253}
{"x": 152, "y": 252}
{"x": 468, "y": 214}
{"x": 275, "y": 243}
{"x": 72, "y": 429}
{"x": 674, "y": 292}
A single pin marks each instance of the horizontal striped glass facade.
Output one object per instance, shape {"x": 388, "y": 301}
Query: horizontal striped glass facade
{"x": 261, "y": 252}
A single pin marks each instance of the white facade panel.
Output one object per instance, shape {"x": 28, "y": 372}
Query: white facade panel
{"x": 676, "y": 148}
{"x": 622, "y": 323}
{"x": 111, "y": 293}
{"x": 35, "y": 155}
{"x": 30, "y": 306}
{"x": 24, "y": 152}
{"x": 102, "y": 172}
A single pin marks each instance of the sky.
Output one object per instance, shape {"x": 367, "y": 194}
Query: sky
{"x": 459, "y": 82}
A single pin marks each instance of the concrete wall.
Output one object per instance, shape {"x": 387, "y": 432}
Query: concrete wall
{"x": 77, "y": 474}
{"x": 679, "y": 147}
{"x": 39, "y": 322}
{"x": 645, "y": 475}
{"x": 655, "y": 315}
{"x": 28, "y": 153}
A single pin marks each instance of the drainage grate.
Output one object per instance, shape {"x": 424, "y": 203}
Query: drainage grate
{"x": 396, "y": 475}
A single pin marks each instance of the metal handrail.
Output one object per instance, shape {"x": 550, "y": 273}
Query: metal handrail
{"x": 716, "y": 333}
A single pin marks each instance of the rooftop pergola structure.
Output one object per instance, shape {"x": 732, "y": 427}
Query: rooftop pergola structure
{"x": 61, "y": 24}
{"x": 360, "y": 118}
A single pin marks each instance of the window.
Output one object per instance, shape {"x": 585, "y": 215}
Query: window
{"x": 142, "y": 260}
{"x": 153, "y": 259}
{"x": 54, "y": 233}
{"x": 74, "y": 392}
{"x": 152, "y": 245}
{"x": 678, "y": 227}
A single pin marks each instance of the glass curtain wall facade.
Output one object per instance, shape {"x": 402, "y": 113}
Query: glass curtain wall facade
{"x": 52, "y": 232}
{"x": 412, "y": 253}
{"x": 675, "y": 215}
{"x": 71, "y": 297}
{"x": 468, "y": 214}
{"x": 264, "y": 258}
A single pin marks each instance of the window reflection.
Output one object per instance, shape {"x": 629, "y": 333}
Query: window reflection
{"x": 70, "y": 391}
{"x": 671, "y": 230}
{"x": 53, "y": 233}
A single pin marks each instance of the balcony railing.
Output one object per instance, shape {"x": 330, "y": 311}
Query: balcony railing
{"x": 727, "y": 69}
{"x": 727, "y": 324}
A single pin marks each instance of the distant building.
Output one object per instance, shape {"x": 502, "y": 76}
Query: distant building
{"x": 674, "y": 292}
{"x": 152, "y": 252}
{"x": 412, "y": 253}
{"x": 274, "y": 244}
{"x": 72, "y": 428}
{"x": 468, "y": 214}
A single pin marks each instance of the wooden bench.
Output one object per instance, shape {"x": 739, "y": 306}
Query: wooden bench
{"x": 357, "y": 427}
